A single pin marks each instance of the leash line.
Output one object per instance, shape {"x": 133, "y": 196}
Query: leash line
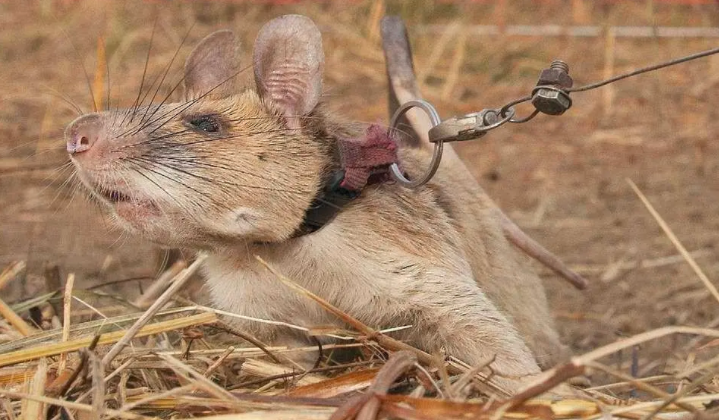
{"x": 647, "y": 69}
{"x": 550, "y": 96}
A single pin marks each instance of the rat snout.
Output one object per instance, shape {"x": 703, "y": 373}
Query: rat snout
{"x": 83, "y": 133}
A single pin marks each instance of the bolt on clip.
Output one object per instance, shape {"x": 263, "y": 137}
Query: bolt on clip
{"x": 548, "y": 97}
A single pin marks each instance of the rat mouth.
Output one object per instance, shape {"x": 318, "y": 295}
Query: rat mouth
{"x": 130, "y": 206}
{"x": 126, "y": 204}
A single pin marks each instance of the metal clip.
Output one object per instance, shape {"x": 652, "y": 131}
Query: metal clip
{"x": 468, "y": 127}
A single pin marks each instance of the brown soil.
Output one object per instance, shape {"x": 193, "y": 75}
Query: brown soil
{"x": 563, "y": 179}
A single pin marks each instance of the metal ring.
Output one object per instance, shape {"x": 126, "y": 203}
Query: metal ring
{"x": 503, "y": 110}
{"x": 525, "y": 119}
{"x": 438, "y": 146}
{"x": 508, "y": 117}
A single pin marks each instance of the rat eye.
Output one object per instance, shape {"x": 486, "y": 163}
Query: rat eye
{"x": 206, "y": 123}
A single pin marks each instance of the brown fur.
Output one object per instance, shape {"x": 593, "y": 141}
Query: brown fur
{"x": 434, "y": 257}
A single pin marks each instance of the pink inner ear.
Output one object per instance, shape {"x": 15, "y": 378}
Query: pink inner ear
{"x": 288, "y": 85}
{"x": 289, "y": 60}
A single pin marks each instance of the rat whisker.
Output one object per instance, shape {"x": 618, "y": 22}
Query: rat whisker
{"x": 185, "y": 106}
{"x": 136, "y": 103}
{"x": 216, "y": 182}
{"x": 145, "y": 96}
{"x": 154, "y": 201}
{"x": 187, "y": 211}
{"x": 70, "y": 180}
{"x": 193, "y": 162}
{"x": 146, "y": 122}
{"x": 157, "y": 107}
{"x": 32, "y": 142}
{"x": 169, "y": 65}
{"x": 65, "y": 99}
{"x": 152, "y": 140}
{"x": 176, "y": 180}
{"x": 55, "y": 173}
{"x": 181, "y": 145}
{"x": 82, "y": 65}
{"x": 180, "y": 205}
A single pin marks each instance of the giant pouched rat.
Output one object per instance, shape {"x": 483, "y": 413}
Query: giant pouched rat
{"x": 233, "y": 172}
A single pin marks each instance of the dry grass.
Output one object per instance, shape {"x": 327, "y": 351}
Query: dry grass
{"x": 646, "y": 336}
{"x": 177, "y": 367}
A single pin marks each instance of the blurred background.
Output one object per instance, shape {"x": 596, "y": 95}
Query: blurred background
{"x": 563, "y": 179}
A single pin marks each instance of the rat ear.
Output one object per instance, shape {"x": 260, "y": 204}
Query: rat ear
{"x": 213, "y": 66}
{"x": 288, "y": 61}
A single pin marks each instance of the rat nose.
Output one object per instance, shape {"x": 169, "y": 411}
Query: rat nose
{"x": 83, "y": 133}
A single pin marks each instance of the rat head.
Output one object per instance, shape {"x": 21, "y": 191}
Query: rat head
{"x": 225, "y": 165}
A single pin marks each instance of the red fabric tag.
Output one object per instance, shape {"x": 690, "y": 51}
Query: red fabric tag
{"x": 367, "y": 159}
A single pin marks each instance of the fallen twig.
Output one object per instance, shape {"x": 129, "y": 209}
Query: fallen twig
{"x": 15, "y": 320}
{"x": 67, "y": 308}
{"x": 55, "y": 349}
{"x": 160, "y": 285}
{"x": 670, "y": 234}
{"x": 397, "y": 365}
{"x": 179, "y": 281}
{"x": 10, "y": 272}
{"x": 70, "y": 405}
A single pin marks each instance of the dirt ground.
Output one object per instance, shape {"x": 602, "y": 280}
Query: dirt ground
{"x": 563, "y": 179}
